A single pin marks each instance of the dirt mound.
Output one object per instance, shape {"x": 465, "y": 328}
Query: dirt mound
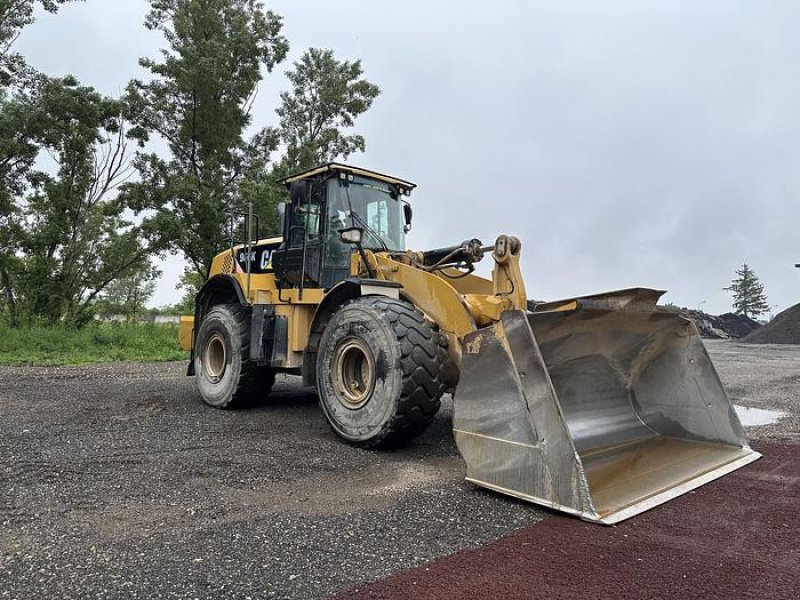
{"x": 783, "y": 329}
{"x": 724, "y": 326}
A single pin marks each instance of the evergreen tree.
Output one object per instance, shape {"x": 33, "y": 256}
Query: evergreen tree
{"x": 748, "y": 293}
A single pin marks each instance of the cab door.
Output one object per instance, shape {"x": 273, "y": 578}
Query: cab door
{"x": 335, "y": 252}
{"x": 298, "y": 262}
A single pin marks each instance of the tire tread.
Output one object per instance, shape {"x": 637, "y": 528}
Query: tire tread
{"x": 253, "y": 380}
{"x": 423, "y": 353}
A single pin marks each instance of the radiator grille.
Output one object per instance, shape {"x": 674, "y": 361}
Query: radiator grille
{"x": 227, "y": 264}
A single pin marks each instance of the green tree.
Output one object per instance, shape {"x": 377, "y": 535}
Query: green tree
{"x": 70, "y": 234}
{"x": 748, "y": 293}
{"x": 199, "y": 102}
{"x": 190, "y": 283}
{"x": 15, "y": 15}
{"x": 128, "y": 295}
{"x": 327, "y": 96}
{"x": 18, "y": 151}
{"x": 18, "y": 128}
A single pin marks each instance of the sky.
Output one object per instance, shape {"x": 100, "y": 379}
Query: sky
{"x": 625, "y": 143}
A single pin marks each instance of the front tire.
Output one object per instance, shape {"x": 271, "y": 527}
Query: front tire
{"x": 226, "y": 378}
{"x": 379, "y": 372}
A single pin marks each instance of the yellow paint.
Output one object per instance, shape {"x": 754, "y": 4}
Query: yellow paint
{"x": 186, "y": 332}
{"x": 311, "y": 296}
{"x": 430, "y": 293}
{"x": 457, "y": 305}
{"x": 299, "y": 317}
{"x": 507, "y": 276}
{"x": 260, "y": 281}
{"x": 469, "y": 284}
{"x": 270, "y": 240}
{"x": 264, "y": 296}
{"x": 487, "y": 309}
{"x": 359, "y": 269}
{"x": 219, "y": 262}
{"x": 264, "y": 286}
{"x": 558, "y": 307}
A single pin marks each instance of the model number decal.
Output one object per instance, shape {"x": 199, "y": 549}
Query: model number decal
{"x": 260, "y": 259}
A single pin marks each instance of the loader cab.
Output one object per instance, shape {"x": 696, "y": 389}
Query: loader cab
{"x": 323, "y": 202}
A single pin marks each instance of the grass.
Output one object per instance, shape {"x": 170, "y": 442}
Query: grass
{"x": 97, "y": 342}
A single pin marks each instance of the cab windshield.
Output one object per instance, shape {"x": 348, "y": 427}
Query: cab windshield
{"x": 369, "y": 205}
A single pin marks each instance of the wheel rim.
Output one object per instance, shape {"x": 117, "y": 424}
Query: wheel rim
{"x": 353, "y": 373}
{"x": 215, "y": 357}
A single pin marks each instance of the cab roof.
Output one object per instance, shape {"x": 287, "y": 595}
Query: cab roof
{"x": 332, "y": 167}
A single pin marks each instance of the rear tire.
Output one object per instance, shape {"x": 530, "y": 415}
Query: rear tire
{"x": 379, "y": 372}
{"x": 226, "y": 378}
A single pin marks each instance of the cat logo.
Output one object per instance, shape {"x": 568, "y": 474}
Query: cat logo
{"x": 259, "y": 259}
{"x": 266, "y": 259}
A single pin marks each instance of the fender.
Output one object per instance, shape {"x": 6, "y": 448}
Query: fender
{"x": 339, "y": 294}
{"x": 219, "y": 289}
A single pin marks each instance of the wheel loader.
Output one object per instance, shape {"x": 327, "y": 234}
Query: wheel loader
{"x": 601, "y": 406}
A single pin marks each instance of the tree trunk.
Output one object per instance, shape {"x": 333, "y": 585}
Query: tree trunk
{"x": 13, "y": 315}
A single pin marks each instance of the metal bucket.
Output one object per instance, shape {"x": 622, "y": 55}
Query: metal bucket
{"x": 602, "y": 407}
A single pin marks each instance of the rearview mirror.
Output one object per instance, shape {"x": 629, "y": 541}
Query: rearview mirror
{"x": 281, "y": 216}
{"x": 408, "y": 214}
{"x": 352, "y": 235}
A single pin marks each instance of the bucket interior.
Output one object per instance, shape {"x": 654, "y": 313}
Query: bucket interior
{"x": 620, "y": 477}
{"x": 642, "y": 403}
{"x": 599, "y": 413}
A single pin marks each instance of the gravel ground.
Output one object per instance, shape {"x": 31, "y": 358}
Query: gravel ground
{"x": 117, "y": 482}
{"x": 765, "y": 376}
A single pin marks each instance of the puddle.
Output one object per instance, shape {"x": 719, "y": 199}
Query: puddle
{"x": 757, "y": 416}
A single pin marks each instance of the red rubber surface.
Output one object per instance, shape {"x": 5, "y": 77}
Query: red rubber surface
{"x": 737, "y": 537}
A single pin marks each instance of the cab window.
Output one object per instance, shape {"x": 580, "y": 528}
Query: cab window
{"x": 306, "y": 221}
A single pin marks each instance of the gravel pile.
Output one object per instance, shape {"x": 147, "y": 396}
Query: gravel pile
{"x": 724, "y": 327}
{"x": 783, "y": 329}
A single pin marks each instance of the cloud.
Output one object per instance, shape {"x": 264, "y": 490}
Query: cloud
{"x": 625, "y": 142}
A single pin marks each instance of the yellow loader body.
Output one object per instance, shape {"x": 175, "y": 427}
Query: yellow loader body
{"x": 601, "y": 406}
